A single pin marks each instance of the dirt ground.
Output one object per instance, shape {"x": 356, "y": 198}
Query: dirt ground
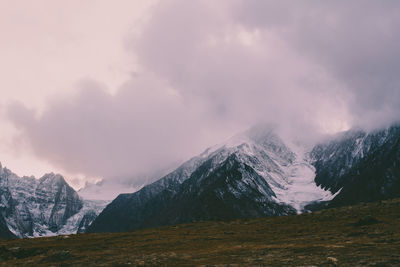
{"x": 361, "y": 235}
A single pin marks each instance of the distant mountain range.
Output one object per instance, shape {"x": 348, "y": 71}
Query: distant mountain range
{"x": 31, "y": 207}
{"x": 253, "y": 174}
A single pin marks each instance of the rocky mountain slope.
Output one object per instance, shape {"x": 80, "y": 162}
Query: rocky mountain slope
{"x": 359, "y": 166}
{"x": 5, "y": 233}
{"x": 31, "y": 207}
{"x": 254, "y": 174}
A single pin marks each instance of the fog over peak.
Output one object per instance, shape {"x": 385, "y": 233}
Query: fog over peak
{"x": 210, "y": 69}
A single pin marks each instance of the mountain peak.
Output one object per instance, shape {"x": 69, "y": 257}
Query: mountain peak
{"x": 52, "y": 178}
{"x": 262, "y": 131}
{"x": 249, "y": 175}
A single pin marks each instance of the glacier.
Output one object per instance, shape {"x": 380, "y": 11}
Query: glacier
{"x": 291, "y": 177}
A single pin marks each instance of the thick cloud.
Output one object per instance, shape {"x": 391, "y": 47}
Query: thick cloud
{"x": 142, "y": 128}
{"x": 237, "y": 73}
{"x": 211, "y": 68}
{"x": 355, "y": 41}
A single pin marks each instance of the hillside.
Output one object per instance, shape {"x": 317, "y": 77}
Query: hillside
{"x": 364, "y": 234}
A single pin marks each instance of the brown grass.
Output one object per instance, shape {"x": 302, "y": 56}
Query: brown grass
{"x": 365, "y": 234}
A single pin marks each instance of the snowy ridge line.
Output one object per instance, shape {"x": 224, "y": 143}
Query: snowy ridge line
{"x": 43, "y": 207}
{"x": 291, "y": 178}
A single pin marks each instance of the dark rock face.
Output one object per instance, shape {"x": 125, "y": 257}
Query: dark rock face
{"x": 53, "y": 190}
{"x": 363, "y": 166}
{"x": 233, "y": 190}
{"x": 87, "y": 219}
{"x": 4, "y": 231}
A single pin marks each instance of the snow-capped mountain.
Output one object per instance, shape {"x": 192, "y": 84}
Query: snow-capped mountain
{"x": 359, "y": 166}
{"x": 253, "y": 174}
{"x": 31, "y": 207}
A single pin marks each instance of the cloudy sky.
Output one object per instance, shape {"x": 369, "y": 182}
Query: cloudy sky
{"x": 119, "y": 89}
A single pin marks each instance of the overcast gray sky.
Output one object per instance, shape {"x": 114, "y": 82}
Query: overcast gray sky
{"x": 123, "y": 88}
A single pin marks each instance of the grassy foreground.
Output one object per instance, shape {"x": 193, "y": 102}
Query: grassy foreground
{"x": 365, "y": 234}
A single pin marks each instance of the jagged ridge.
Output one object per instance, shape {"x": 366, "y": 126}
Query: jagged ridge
{"x": 32, "y": 207}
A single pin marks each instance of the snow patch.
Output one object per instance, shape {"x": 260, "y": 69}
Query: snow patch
{"x": 300, "y": 188}
{"x": 72, "y": 224}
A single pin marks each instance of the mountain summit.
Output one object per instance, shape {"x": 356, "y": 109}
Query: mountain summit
{"x": 253, "y": 174}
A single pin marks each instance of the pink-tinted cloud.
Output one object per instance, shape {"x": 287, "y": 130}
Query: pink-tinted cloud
{"x": 211, "y": 68}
